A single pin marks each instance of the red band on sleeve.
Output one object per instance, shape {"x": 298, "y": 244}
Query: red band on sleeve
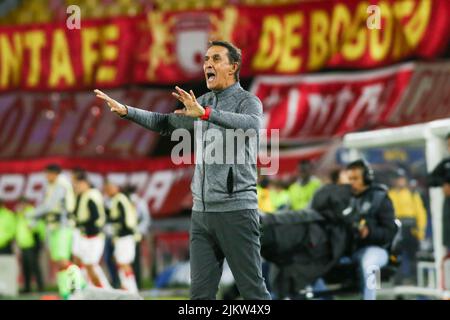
{"x": 207, "y": 113}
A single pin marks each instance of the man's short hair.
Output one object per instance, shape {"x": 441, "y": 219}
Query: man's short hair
{"x": 366, "y": 169}
{"x": 234, "y": 54}
{"x": 334, "y": 175}
{"x": 305, "y": 164}
{"x": 53, "y": 168}
{"x": 109, "y": 182}
{"x": 76, "y": 170}
{"x": 357, "y": 164}
{"x": 129, "y": 189}
{"x": 81, "y": 176}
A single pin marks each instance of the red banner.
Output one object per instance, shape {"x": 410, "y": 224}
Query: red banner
{"x": 320, "y": 106}
{"x": 304, "y": 108}
{"x": 164, "y": 185}
{"x": 168, "y": 47}
{"x": 64, "y": 124}
{"x": 341, "y": 34}
{"x": 52, "y": 57}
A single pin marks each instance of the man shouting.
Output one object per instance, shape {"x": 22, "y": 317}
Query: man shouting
{"x": 225, "y": 220}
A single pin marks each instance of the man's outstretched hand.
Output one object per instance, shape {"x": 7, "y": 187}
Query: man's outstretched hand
{"x": 191, "y": 107}
{"x": 115, "y": 106}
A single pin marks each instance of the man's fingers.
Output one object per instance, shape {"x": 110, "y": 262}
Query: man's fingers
{"x": 179, "y": 89}
{"x": 104, "y": 99}
{"x": 183, "y": 93}
{"x": 179, "y": 97}
{"x": 192, "y": 95}
{"x": 180, "y": 111}
{"x": 113, "y": 105}
{"x": 176, "y": 96}
{"x": 103, "y": 96}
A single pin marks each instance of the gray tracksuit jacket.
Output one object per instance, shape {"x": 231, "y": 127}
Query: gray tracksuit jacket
{"x": 229, "y": 183}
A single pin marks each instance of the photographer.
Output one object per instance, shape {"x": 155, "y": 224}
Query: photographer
{"x": 440, "y": 177}
{"x": 374, "y": 227}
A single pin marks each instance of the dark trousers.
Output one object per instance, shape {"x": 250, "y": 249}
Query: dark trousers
{"x": 7, "y": 249}
{"x": 410, "y": 246}
{"x": 446, "y": 223}
{"x": 137, "y": 264}
{"x": 31, "y": 268}
{"x": 232, "y": 235}
{"x": 108, "y": 255}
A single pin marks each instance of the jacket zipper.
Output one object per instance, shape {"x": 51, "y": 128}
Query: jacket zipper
{"x": 203, "y": 164}
{"x": 203, "y": 159}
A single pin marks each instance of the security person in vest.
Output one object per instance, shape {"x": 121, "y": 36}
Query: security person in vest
{"x": 225, "y": 218}
{"x": 376, "y": 226}
{"x": 409, "y": 208}
{"x": 58, "y": 204}
{"x": 29, "y": 238}
{"x": 123, "y": 217}
{"x": 7, "y": 229}
{"x": 302, "y": 191}
{"x": 265, "y": 202}
{"x": 90, "y": 218}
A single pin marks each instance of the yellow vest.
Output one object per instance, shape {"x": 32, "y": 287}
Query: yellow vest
{"x": 265, "y": 200}
{"x": 300, "y": 195}
{"x": 280, "y": 198}
{"x": 130, "y": 211}
{"x": 408, "y": 204}
{"x": 69, "y": 196}
{"x": 83, "y": 214}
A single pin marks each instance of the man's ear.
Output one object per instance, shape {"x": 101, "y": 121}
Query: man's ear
{"x": 233, "y": 68}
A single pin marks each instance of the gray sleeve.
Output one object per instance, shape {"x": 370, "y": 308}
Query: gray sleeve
{"x": 248, "y": 116}
{"x": 159, "y": 122}
{"x": 57, "y": 196}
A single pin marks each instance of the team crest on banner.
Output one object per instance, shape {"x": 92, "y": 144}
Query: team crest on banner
{"x": 192, "y": 35}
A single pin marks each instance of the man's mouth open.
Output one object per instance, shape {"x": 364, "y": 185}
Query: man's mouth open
{"x": 210, "y": 76}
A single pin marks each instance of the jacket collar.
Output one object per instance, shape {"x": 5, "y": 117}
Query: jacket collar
{"x": 228, "y": 91}
{"x": 362, "y": 194}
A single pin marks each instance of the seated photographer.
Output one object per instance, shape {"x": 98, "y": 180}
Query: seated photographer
{"x": 374, "y": 225}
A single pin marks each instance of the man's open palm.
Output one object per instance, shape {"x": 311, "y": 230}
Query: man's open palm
{"x": 191, "y": 107}
{"x": 115, "y": 106}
